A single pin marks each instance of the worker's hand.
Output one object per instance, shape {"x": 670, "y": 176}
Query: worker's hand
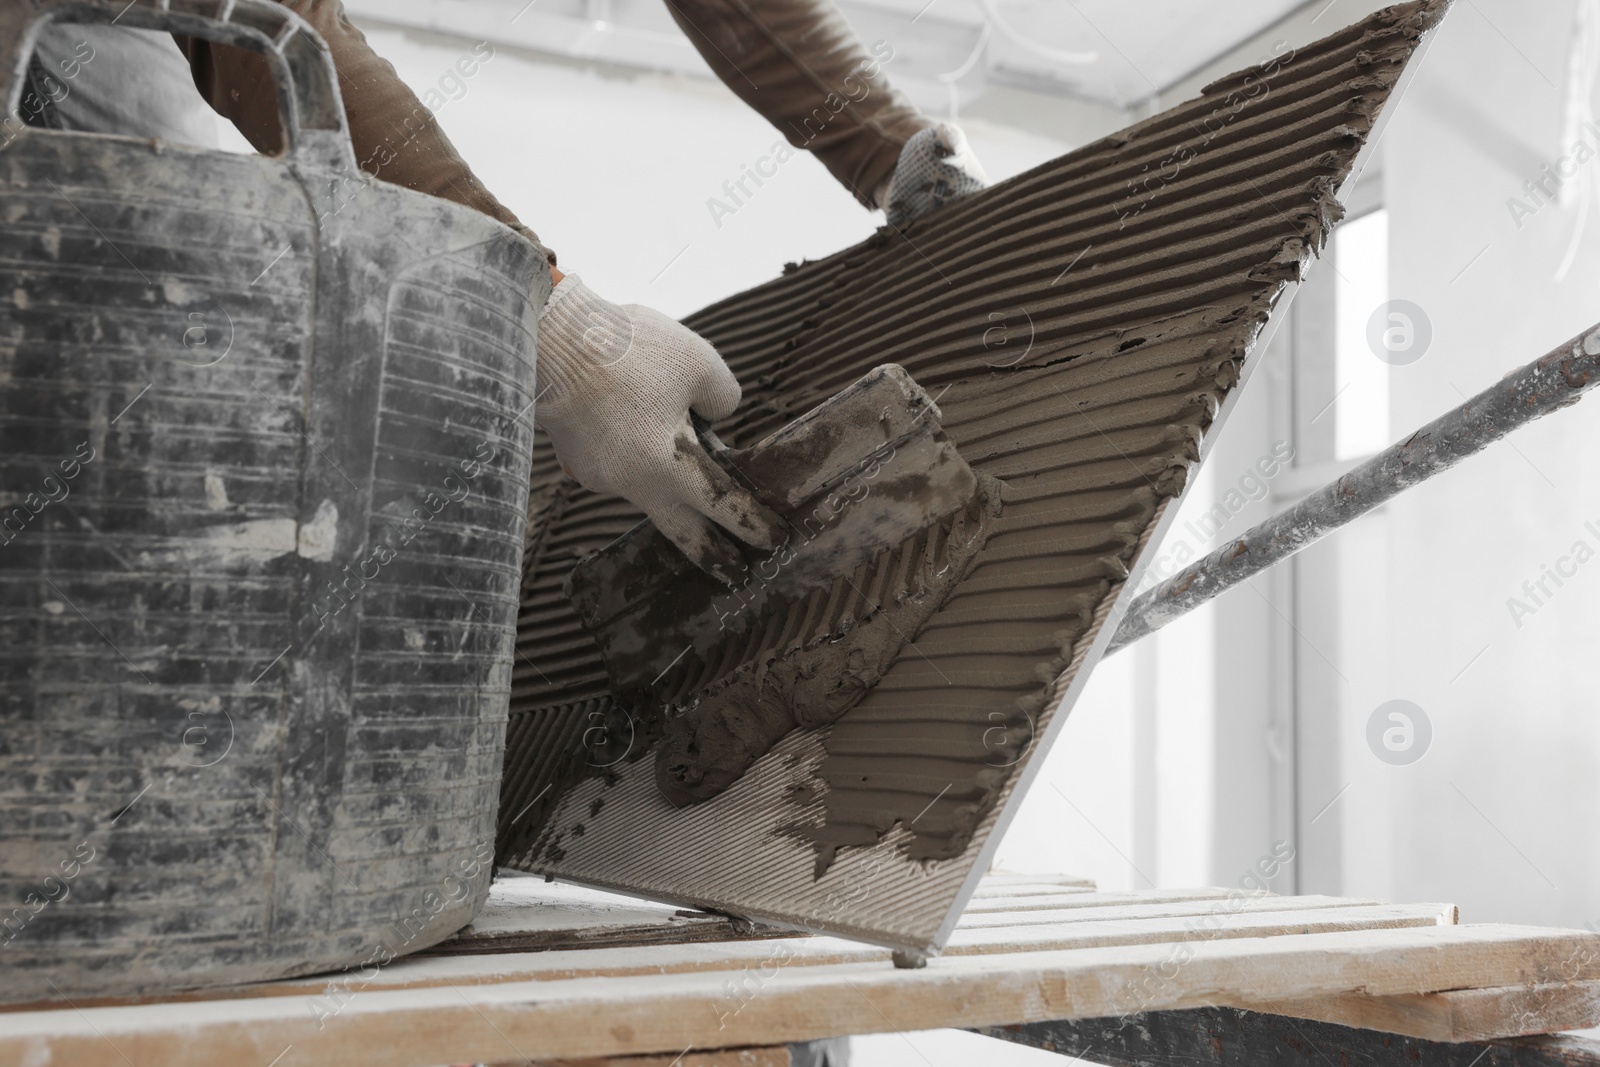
{"x": 936, "y": 166}
{"x": 616, "y": 385}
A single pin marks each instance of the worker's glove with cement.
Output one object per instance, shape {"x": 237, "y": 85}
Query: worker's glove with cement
{"x": 936, "y": 166}
{"x": 616, "y": 386}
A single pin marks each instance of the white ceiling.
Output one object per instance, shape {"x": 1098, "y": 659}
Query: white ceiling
{"x": 1115, "y": 52}
{"x": 1140, "y": 46}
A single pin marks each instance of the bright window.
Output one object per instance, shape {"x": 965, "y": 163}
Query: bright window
{"x": 1361, "y": 254}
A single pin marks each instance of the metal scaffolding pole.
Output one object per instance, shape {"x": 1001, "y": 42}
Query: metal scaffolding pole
{"x": 1554, "y": 381}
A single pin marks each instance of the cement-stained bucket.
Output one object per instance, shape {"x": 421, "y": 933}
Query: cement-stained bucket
{"x": 265, "y": 427}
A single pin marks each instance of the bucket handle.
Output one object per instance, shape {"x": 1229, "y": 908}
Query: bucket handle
{"x": 312, "y": 111}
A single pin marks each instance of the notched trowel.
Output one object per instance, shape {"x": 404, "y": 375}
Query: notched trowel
{"x": 860, "y": 474}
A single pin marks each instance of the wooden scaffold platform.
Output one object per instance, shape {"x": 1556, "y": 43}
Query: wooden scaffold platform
{"x": 555, "y": 974}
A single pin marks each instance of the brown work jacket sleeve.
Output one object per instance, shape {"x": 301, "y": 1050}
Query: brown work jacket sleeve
{"x": 800, "y": 65}
{"x": 395, "y": 136}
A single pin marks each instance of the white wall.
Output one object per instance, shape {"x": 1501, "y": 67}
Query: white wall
{"x": 1502, "y": 813}
{"x": 614, "y": 171}
{"x": 1499, "y": 815}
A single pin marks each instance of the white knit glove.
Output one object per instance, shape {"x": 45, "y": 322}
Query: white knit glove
{"x": 616, "y": 385}
{"x": 936, "y": 166}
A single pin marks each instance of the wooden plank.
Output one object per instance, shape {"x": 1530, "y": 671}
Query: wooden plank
{"x": 1180, "y": 930}
{"x": 1227, "y": 1037}
{"x": 830, "y": 1053}
{"x": 1072, "y": 898}
{"x": 1139, "y": 910}
{"x": 740, "y": 958}
{"x": 1028, "y": 900}
{"x": 523, "y": 902}
{"x": 733, "y": 1057}
{"x": 529, "y": 918}
{"x": 718, "y": 930}
{"x": 555, "y": 964}
{"x": 778, "y": 1004}
{"x": 1454, "y": 1016}
{"x": 996, "y": 882}
{"x": 736, "y": 960}
{"x": 1004, "y": 877}
{"x": 527, "y": 914}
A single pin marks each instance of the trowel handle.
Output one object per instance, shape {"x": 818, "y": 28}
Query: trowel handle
{"x": 308, "y": 89}
{"x": 731, "y": 460}
{"x": 709, "y": 440}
